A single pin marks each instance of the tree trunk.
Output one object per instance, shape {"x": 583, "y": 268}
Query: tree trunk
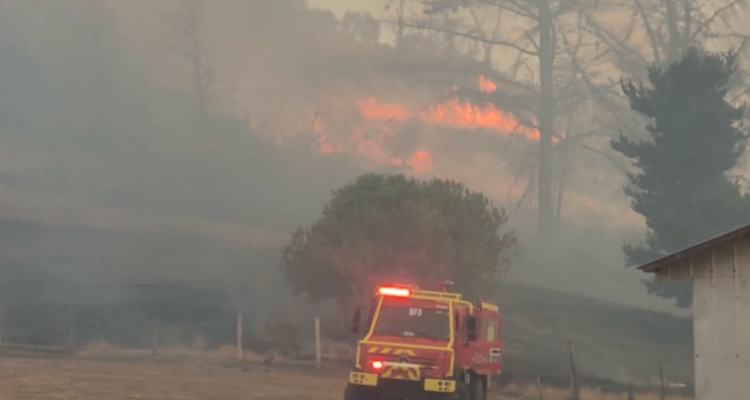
{"x": 400, "y": 29}
{"x": 560, "y": 190}
{"x": 674, "y": 48}
{"x": 545, "y": 223}
{"x": 487, "y": 59}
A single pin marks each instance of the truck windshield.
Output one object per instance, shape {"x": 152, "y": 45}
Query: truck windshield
{"x": 405, "y": 321}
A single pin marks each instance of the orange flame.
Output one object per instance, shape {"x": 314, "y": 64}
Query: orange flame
{"x": 324, "y": 145}
{"x": 486, "y": 86}
{"x": 464, "y": 115}
{"x": 421, "y": 161}
{"x": 371, "y": 109}
{"x": 455, "y": 113}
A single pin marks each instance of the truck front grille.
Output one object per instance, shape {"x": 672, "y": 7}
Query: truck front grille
{"x": 425, "y": 362}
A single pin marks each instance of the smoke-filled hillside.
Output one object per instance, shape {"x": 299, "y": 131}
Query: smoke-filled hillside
{"x": 183, "y": 141}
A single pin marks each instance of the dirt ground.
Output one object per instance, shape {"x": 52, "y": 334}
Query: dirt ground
{"x": 71, "y": 378}
{"x": 58, "y": 379}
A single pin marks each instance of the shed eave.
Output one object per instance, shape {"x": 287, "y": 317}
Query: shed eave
{"x": 661, "y": 263}
{"x": 665, "y": 261}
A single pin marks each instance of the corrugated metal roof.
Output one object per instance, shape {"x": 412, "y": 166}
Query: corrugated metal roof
{"x": 659, "y": 263}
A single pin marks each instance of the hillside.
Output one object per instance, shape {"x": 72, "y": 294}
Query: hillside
{"x": 610, "y": 340}
{"x": 62, "y": 265}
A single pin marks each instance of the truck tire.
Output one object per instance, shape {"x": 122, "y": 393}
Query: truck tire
{"x": 462, "y": 392}
{"x": 356, "y": 392}
{"x": 477, "y": 388}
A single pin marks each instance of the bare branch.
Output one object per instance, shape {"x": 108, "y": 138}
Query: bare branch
{"x": 607, "y": 156}
{"x": 467, "y": 36}
{"x": 649, "y": 31}
{"x": 717, "y": 14}
{"x": 191, "y": 54}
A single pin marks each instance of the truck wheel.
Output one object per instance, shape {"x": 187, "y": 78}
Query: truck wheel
{"x": 356, "y": 392}
{"x": 477, "y": 389}
{"x": 462, "y": 392}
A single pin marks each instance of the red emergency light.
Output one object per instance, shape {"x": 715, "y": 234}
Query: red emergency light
{"x": 394, "y": 291}
{"x": 377, "y": 365}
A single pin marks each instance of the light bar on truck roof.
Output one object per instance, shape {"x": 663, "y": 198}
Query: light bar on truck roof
{"x": 394, "y": 291}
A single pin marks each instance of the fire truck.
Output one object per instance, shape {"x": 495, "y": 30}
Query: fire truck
{"x": 425, "y": 344}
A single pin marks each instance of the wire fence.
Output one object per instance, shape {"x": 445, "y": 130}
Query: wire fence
{"x": 76, "y": 328}
{"x": 551, "y": 357}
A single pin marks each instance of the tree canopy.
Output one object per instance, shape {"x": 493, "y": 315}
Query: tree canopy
{"x": 682, "y": 187}
{"x": 390, "y": 228}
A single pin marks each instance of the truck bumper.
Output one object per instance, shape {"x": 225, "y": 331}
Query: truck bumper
{"x": 363, "y": 378}
{"x": 439, "y": 385}
{"x": 427, "y": 385}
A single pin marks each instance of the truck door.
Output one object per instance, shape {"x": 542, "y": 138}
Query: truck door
{"x": 486, "y": 352}
{"x": 493, "y": 342}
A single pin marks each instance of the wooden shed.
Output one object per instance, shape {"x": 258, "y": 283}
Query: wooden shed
{"x": 720, "y": 271}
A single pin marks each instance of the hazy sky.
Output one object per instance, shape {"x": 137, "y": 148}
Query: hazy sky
{"x": 340, "y": 6}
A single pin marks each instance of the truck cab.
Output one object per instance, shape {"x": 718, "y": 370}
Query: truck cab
{"x": 425, "y": 344}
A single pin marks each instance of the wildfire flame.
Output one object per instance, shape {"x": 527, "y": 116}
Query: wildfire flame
{"x": 455, "y": 113}
{"x": 465, "y": 115}
{"x": 372, "y": 109}
{"x": 486, "y": 86}
{"x": 366, "y": 141}
{"x": 421, "y": 160}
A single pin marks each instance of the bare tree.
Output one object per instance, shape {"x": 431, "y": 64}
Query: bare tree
{"x": 481, "y": 20}
{"x": 539, "y": 75}
{"x": 189, "y": 56}
{"x": 658, "y": 31}
{"x": 573, "y": 53}
{"x": 400, "y": 7}
{"x": 361, "y": 26}
{"x": 662, "y": 30}
{"x": 404, "y": 14}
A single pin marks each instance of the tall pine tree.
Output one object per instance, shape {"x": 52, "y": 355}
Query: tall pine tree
{"x": 696, "y": 137}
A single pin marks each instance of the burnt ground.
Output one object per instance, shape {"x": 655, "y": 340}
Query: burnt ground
{"x": 610, "y": 341}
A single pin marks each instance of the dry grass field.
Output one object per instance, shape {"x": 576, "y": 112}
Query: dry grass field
{"x": 107, "y": 375}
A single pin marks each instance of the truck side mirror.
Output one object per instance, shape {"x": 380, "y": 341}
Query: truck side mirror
{"x": 471, "y": 329}
{"x": 355, "y": 320}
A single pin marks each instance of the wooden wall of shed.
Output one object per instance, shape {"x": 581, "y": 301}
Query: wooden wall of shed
{"x": 721, "y": 320}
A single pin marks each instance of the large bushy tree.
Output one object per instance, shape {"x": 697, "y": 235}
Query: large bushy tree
{"x": 682, "y": 187}
{"x": 390, "y": 228}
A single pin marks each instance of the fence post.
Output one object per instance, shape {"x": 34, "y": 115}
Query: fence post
{"x": 539, "y": 387}
{"x": 239, "y": 334}
{"x": 1, "y": 323}
{"x": 573, "y": 376}
{"x": 663, "y": 391}
{"x": 631, "y": 395}
{"x": 71, "y": 329}
{"x": 317, "y": 343}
